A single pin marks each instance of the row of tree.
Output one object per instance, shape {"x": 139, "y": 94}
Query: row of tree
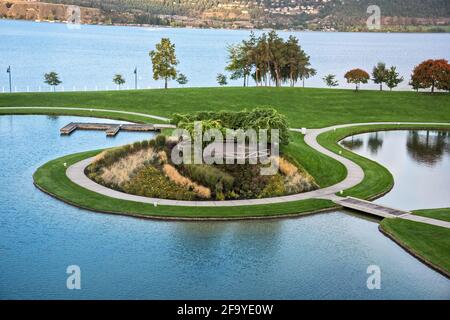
{"x": 434, "y": 74}
{"x": 269, "y": 59}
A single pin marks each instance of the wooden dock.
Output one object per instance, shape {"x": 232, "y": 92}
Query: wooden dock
{"x": 370, "y": 207}
{"x": 112, "y": 129}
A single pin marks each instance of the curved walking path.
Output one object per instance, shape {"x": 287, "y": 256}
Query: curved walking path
{"x": 90, "y": 109}
{"x": 355, "y": 175}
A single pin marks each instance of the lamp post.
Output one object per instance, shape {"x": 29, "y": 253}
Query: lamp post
{"x": 135, "y": 78}
{"x": 9, "y": 72}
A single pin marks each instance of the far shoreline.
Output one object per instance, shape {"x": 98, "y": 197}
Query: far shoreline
{"x": 225, "y": 29}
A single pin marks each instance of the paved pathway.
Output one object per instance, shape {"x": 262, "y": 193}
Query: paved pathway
{"x": 354, "y": 173}
{"x": 89, "y": 109}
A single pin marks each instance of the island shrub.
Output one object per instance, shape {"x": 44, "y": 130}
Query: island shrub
{"x": 274, "y": 188}
{"x": 160, "y": 142}
{"x": 258, "y": 118}
{"x": 215, "y": 179}
{"x": 150, "y": 182}
{"x": 173, "y": 174}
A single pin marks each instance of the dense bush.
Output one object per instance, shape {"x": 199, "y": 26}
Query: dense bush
{"x": 150, "y": 182}
{"x": 258, "y": 118}
{"x": 209, "y": 176}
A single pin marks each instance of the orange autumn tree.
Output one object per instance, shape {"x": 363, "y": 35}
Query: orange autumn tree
{"x": 357, "y": 76}
{"x": 434, "y": 74}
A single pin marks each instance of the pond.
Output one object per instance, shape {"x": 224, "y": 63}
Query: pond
{"x": 323, "y": 256}
{"x": 419, "y": 161}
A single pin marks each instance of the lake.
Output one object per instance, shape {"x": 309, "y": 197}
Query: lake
{"x": 324, "y": 256}
{"x": 88, "y": 58}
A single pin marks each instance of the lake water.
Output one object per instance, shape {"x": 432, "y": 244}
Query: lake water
{"x": 89, "y": 57}
{"x": 324, "y": 256}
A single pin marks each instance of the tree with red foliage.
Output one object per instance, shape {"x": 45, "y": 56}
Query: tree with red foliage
{"x": 357, "y": 76}
{"x": 434, "y": 74}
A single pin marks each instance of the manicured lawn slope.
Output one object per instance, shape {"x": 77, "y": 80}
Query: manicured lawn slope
{"x": 430, "y": 243}
{"x": 440, "y": 214}
{"x": 51, "y": 177}
{"x": 307, "y": 107}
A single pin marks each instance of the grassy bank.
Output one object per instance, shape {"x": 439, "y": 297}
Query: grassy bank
{"x": 440, "y": 214}
{"x": 52, "y": 179}
{"x": 307, "y": 107}
{"x": 431, "y": 244}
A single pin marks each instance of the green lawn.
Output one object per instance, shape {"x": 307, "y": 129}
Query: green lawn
{"x": 325, "y": 170}
{"x": 51, "y": 177}
{"x": 307, "y": 107}
{"x": 430, "y": 243}
{"x": 440, "y": 214}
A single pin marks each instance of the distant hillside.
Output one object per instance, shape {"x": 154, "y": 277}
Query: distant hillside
{"x": 348, "y": 15}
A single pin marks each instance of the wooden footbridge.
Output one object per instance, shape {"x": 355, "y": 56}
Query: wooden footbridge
{"x": 370, "y": 207}
{"x": 112, "y": 129}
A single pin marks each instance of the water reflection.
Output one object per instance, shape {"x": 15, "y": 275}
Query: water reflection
{"x": 352, "y": 143}
{"x": 374, "y": 143}
{"x": 419, "y": 161}
{"x": 427, "y": 147}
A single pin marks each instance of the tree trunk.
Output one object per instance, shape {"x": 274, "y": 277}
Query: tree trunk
{"x": 432, "y": 88}
{"x": 303, "y": 82}
{"x": 381, "y": 87}
{"x": 165, "y": 83}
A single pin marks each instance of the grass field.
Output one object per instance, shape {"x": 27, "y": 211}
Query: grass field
{"x": 304, "y": 107}
{"x": 430, "y": 243}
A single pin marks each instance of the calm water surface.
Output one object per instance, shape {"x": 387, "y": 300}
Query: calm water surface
{"x": 418, "y": 160}
{"x": 323, "y": 256}
{"x": 90, "y": 56}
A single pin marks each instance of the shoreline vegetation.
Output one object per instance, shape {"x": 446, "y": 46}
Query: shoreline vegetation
{"x": 430, "y": 244}
{"x": 389, "y": 29}
{"x": 326, "y": 16}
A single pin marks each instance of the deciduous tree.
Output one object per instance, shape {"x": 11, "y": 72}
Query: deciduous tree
{"x": 52, "y": 79}
{"x": 393, "y": 79}
{"x": 379, "y": 74}
{"x": 330, "y": 80}
{"x": 357, "y": 76}
{"x": 164, "y": 61}
{"x": 119, "y": 80}
{"x": 221, "y": 79}
{"x": 434, "y": 74}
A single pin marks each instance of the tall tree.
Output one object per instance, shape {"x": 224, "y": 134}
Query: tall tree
{"x": 393, "y": 78}
{"x": 52, "y": 79}
{"x": 379, "y": 74}
{"x": 434, "y": 74}
{"x": 357, "y": 76}
{"x": 164, "y": 61}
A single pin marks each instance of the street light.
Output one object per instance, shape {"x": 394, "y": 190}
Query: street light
{"x": 9, "y": 72}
